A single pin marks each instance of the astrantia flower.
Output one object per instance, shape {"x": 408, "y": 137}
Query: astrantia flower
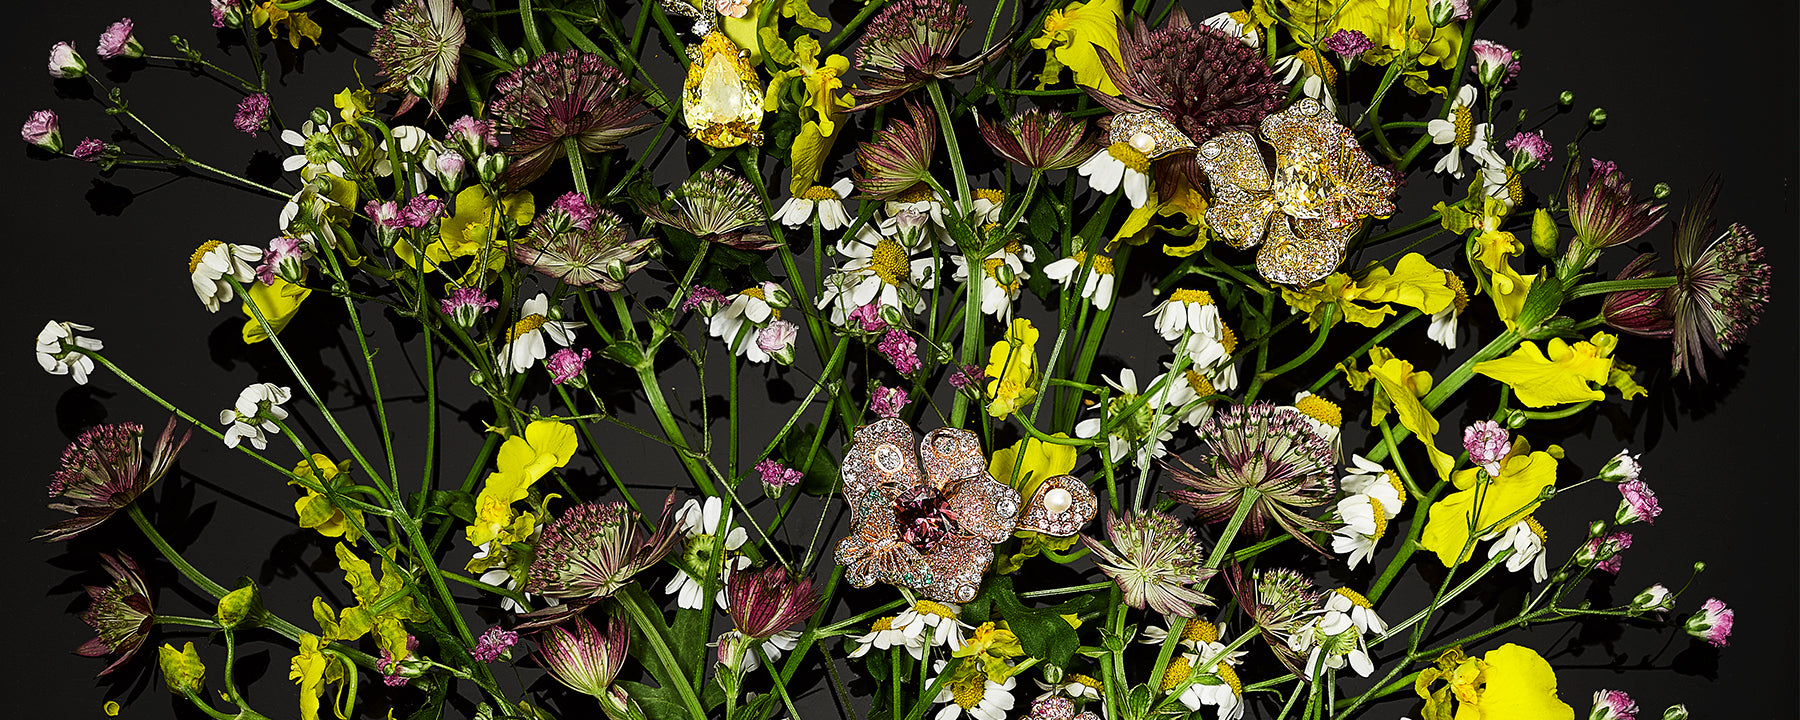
{"x": 594, "y": 549}
{"x": 1638, "y": 502}
{"x": 908, "y": 44}
{"x": 525, "y": 344}
{"x": 1720, "y": 286}
{"x": 65, "y": 62}
{"x": 767, "y": 601}
{"x": 255, "y": 414}
{"x": 899, "y": 157}
{"x": 1643, "y": 313}
{"x": 1040, "y": 139}
{"x": 120, "y": 614}
{"x": 1262, "y": 453}
{"x": 717, "y": 206}
{"x": 417, "y": 47}
{"x": 1279, "y": 601}
{"x": 117, "y": 41}
{"x": 215, "y": 261}
{"x": 1156, "y": 561}
{"x": 583, "y": 658}
{"x": 703, "y": 542}
{"x": 103, "y": 471}
{"x": 252, "y": 114}
{"x": 1603, "y": 212}
{"x": 1202, "y": 79}
{"x": 826, "y": 203}
{"x": 41, "y": 129}
{"x": 561, "y": 95}
{"x": 61, "y": 352}
{"x": 1095, "y": 272}
{"x": 1463, "y": 135}
{"x": 1712, "y": 623}
{"x": 1494, "y": 63}
{"x": 597, "y": 255}
{"x": 1613, "y": 705}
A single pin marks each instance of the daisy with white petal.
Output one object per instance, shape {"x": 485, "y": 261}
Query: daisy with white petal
{"x": 1526, "y": 539}
{"x": 1331, "y": 641}
{"x": 1002, "y": 279}
{"x": 255, "y": 414}
{"x": 920, "y": 199}
{"x": 1225, "y": 23}
{"x": 882, "y": 270}
{"x": 987, "y": 206}
{"x": 1293, "y": 68}
{"x": 409, "y": 140}
{"x": 1367, "y": 477}
{"x": 313, "y": 146}
{"x": 699, "y": 527}
{"x": 773, "y": 646}
{"x": 1138, "y": 428}
{"x": 525, "y": 344}
{"x": 929, "y": 622}
{"x": 1227, "y": 695}
{"x": 1324, "y": 417}
{"x": 739, "y": 322}
{"x": 969, "y": 690}
{"x": 60, "y": 350}
{"x": 1183, "y": 397}
{"x": 308, "y": 205}
{"x": 1358, "y": 608}
{"x": 1095, "y": 272}
{"x": 1504, "y": 183}
{"x": 1186, "y": 311}
{"x": 1116, "y": 166}
{"x": 500, "y": 576}
{"x": 1443, "y": 322}
{"x": 1463, "y": 135}
{"x": 214, "y": 261}
{"x": 827, "y": 203}
{"x": 1073, "y": 685}
{"x": 884, "y": 634}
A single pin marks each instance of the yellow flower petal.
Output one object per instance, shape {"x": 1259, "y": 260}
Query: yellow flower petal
{"x": 1493, "y": 505}
{"x": 1012, "y": 369}
{"x": 1076, "y": 35}
{"x": 1414, "y": 283}
{"x": 1506, "y": 286}
{"x": 278, "y": 303}
{"x": 1560, "y": 377}
{"x": 1401, "y": 386}
{"x": 1519, "y": 685}
{"x": 1029, "y": 462}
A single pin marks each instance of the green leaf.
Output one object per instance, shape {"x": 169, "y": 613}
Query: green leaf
{"x": 450, "y": 503}
{"x": 1545, "y": 297}
{"x": 1043, "y": 633}
{"x": 656, "y": 703}
{"x": 822, "y": 475}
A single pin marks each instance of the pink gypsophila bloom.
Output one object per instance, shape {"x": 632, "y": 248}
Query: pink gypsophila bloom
{"x": 252, "y": 112}
{"x": 283, "y": 258}
{"x": 88, "y": 149}
{"x": 1531, "y": 148}
{"x": 869, "y": 318}
{"x": 1487, "y": 443}
{"x": 777, "y": 339}
{"x": 421, "y": 210}
{"x": 117, "y": 41}
{"x": 566, "y": 364}
{"x": 390, "y": 668}
{"x": 1638, "y": 503}
{"x": 1494, "y": 62}
{"x": 901, "y": 350}
{"x": 1348, "y": 43}
{"x": 777, "y": 474}
{"x": 1612, "y": 546}
{"x": 466, "y": 305}
{"x": 493, "y": 644}
{"x": 384, "y": 213}
{"x": 42, "y": 129}
{"x": 887, "y": 402}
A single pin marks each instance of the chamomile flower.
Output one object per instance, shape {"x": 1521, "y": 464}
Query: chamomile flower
{"x": 1181, "y": 396}
{"x": 1444, "y": 322}
{"x": 1186, "y": 311}
{"x": 826, "y": 203}
{"x": 1095, "y": 272}
{"x": 698, "y": 524}
{"x": 255, "y": 414}
{"x": 985, "y": 210}
{"x": 920, "y": 199}
{"x": 1312, "y": 85}
{"x": 60, "y": 350}
{"x": 884, "y": 634}
{"x": 1116, "y": 166}
{"x": 502, "y": 576}
{"x": 525, "y": 344}
{"x": 1003, "y": 276}
{"x": 1324, "y": 417}
{"x": 1074, "y": 685}
{"x": 1358, "y": 608}
{"x": 970, "y": 691}
{"x": 1226, "y": 695}
{"x": 1526, "y": 539}
{"x": 879, "y": 269}
{"x": 1137, "y": 425}
{"x": 1464, "y": 136}
{"x": 215, "y": 261}
{"x": 1331, "y": 640}
{"x": 929, "y": 622}
{"x": 316, "y": 151}
{"x": 740, "y": 321}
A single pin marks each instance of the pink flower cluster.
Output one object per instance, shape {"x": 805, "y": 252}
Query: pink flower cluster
{"x": 887, "y": 402}
{"x": 1712, "y": 623}
{"x": 1487, "y": 443}
{"x": 252, "y": 114}
{"x": 493, "y": 643}
{"x": 574, "y": 206}
{"x": 778, "y": 475}
{"x": 567, "y": 364}
{"x": 901, "y": 350}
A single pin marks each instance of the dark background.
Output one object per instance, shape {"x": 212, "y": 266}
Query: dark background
{"x": 1692, "y": 91}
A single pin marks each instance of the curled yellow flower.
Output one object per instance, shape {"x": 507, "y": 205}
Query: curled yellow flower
{"x": 314, "y": 510}
{"x": 277, "y": 302}
{"x": 1510, "y": 682}
{"x": 545, "y": 446}
{"x": 1012, "y": 369}
{"x": 1557, "y": 375}
{"x": 1074, "y": 37}
{"x": 1399, "y": 28}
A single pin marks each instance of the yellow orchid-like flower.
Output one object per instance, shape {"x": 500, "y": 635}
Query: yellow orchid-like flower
{"x": 298, "y": 24}
{"x": 1074, "y": 37}
{"x": 1564, "y": 374}
{"x": 545, "y": 446}
{"x": 1401, "y": 388}
{"x": 1488, "y": 504}
{"x": 1510, "y": 682}
{"x": 278, "y": 303}
{"x": 823, "y": 107}
{"x": 1399, "y": 28}
{"x": 1507, "y": 288}
{"x": 474, "y": 226}
{"x": 1029, "y": 462}
{"x": 1414, "y": 282}
{"x": 1335, "y": 291}
{"x": 991, "y": 646}
{"x": 315, "y": 510}
{"x": 352, "y": 104}
{"x": 1012, "y": 369}
{"x": 311, "y": 669}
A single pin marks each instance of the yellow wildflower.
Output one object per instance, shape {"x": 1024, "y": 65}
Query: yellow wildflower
{"x": 474, "y": 226}
{"x": 1012, "y": 365}
{"x": 1029, "y": 462}
{"x": 991, "y": 646}
{"x": 1510, "y": 682}
{"x": 311, "y": 669}
{"x": 1489, "y": 504}
{"x": 1413, "y": 282}
{"x": 1075, "y": 36}
{"x": 1402, "y": 389}
{"x": 315, "y": 510}
{"x": 1560, "y": 376}
{"x": 278, "y": 303}
{"x": 298, "y": 24}
{"x": 1399, "y": 28}
{"x": 821, "y": 83}
{"x": 352, "y": 104}
{"x": 1506, "y": 286}
{"x": 1335, "y": 291}
{"x": 546, "y": 445}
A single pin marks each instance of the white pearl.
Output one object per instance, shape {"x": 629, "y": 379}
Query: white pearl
{"x": 1142, "y": 142}
{"x": 1058, "y": 500}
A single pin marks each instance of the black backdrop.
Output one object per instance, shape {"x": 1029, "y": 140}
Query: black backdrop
{"x": 1692, "y": 90}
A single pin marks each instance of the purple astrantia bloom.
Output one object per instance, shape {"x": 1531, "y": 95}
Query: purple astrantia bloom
{"x": 597, "y": 256}
{"x": 117, "y": 41}
{"x": 65, "y": 63}
{"x": 887, "y": 402}
{"x": 1494, "y": 63}
{"x": 717, "y": 206}
{"x": 1720, "y": 286}
{"x": 103, "y": 471}
{"x": 494, "y": 643}
{"x": 1637, "y": 502}
{"x": 901, "y": 350}
{"x": 1644, "y": 313}
{"x": 466, "y": 305}
{"x": 899, "y": 158}
{"x": 704, "y": 299}
{"x": 567, "y": 365}
{"x": 418, "y": 47}
{"x": 1279, "y": 601}
{"x": 766, "y": 601}
{"x": 120, "y": 614}
{"x": 88, "y": 150}
{"x": 1712, "y": 623}
{"x": 252, "y": 114}
{"x": 1041, "y": 139}
{"x": 1488, "y": 443}
{"x": 968, "y": 377}
{"x": 595, "y": 548}
{"x": 1348, "y": 43}
{"x": 1530, "y": 150}
{"x": 285, "y": 259}
{"x": 557, "y": 96}
{"x": 421, "y": 210}
{"x": 1156, "y": 561}
{"x": 1613, "y": 705}
{"x": 585, "y": 659}
{"x": 1275, "y": 453}
{"x": 908, "y": 44}
{"x": 43, "y": 130}
{"x": 1603, "y": 212}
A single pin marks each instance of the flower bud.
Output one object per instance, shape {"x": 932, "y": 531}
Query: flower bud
{"x": 1544, "y": 234}
{"x": 490, "y": 166}
{"x": 320, "y": 117}
{"x": 1596, "y": 528}
{"x": 236, "y": 606}
{"x": 1675, "y": 712}
{"x": 182, "y": 669}
{"x": 1597, "y": 117}
{"x": 1655, "y": 598}
{"x": 1444, "y": 12}
{"x": 1639, "y": 312}
{"x": 1660, "y": 191}
{"x": 419, "y": 86}
{"x": 778, "y": 340}
{"x": 1566, "y": 99}
{"x": 1620, "y": 468}
{"x": 227, "y": 13}
{"x": 892, "y": 316}
{"x": 42, "y": 129}
{"x": 65, "y": 62}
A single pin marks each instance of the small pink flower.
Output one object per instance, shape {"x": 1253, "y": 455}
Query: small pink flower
{"x": 1605, "y": 552}
{"x": 227, "y": 13}
{"x": 732, "y": 8}
{"x": 1444, "y": 12}
{"x": 385, "y": 214}
{"x": 887, "y": 402}
{"x": 1622, "y": 467}
{"x": 494, "y": 643}
{"x": 901, "y": 350}
{"x": 1638, "y": 503}
{"x": 466, "y": 305}
{"x": 968, "y": 377}
{"x": 421, "y": 210}
{"x": 1487, "y": 443}
{"x": 1494, "y": 63}
{"x": 285, "y": 258}
{"x": 252, "y": 114}
{"x": 778, "y": 475}
{"x": 868, "y": 317}
{"x": 1530, "y": 150}
{"x": 566, "y": 365}
{"x": 1712, "y": 623}
{"x": 42, "y": 129}
{"x": 704, "y": 299}
{"x": 395, "y": 673}
{"x": 89, "y": 149}
{"x": 117, "y": 41}
{"x": 1348, "y": 43}
{"x": 471, "y": 136}
{"x": 1613, "y": 705}
{"x": 574, "y": 207}
{"x": 778, "y": 340}
{"x": 65, "y": 62}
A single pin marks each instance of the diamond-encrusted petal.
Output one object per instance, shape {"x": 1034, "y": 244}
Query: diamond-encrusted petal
{"x": 984, "y": 507}
{"x": 1076, "y": 514}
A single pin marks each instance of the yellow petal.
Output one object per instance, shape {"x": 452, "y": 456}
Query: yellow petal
{"x": 1493, "y": 506}
{"x": 1562, "y": 376}
{"x": 1077, "y": 34}
{"x": 1029, "y": 462}
{"x": 278, "y": 303}
{"x": 1398, "y": 382}
{"x": 1414, "y": 283}
{"x": 1520, "y": 685}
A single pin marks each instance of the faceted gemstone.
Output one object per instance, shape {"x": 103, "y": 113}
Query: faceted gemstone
{"x": 924, "y": 517}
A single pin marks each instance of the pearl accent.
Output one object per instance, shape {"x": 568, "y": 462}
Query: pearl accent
{"x": 1058, "y": 500}
{"x": 1143, "y": 142}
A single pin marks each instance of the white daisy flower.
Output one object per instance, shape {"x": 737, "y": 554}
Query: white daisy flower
{"x": 825, "y": 202}
{"x": 1526, "y": 539}
{"x": 500, "y": 576}
{"x": 1292, "y": 68}
{"x": 1097, "y": 281}
{"x": 1139, "y": 427}
{"x": 213, "y": 262}
{"x": 1503, "y": 183}
{"x": 920, "y": 199}
{"x": 929, "y": 622}
{"x": 525, "y": 344}
{"x": 1186, "y": 311}
{"x": 884, "y": 634}
{"x": 1463, "y": 135}
{"x": 1074, "y": 685}
{"x": 987, "y": 205}
{"x": 991, "y": 701}
{"x": 1225, "y": 23}
{"x": 312, "y": 144}
{"x": 254, "y": 415}
{"x": 309, "y": 204}
{"x": 1367, "y": 477}
{"x": 1357, "y": 608}
{"x": 879, "y": 269}
{"x": 409, "y": 140}
{"x": 698, "y": 524}
{"x": 1331, "y": 641}
{"x": 1003, "y": 277}
{"x": 774, "y": 646}
{"x": 1444, "y": 322}
{"x": 1223, "y": 695}
{"x": 740, "y": 321}
{"x": 1324, "y": 417}
{"x": 59, "y": 350}
{"x": 1119, "y": 165}
{"x": 1181, "y": 395}
{"x": 1364, "y": 525}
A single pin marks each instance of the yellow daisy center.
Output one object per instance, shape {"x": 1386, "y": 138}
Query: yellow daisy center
{"x": 205, "y": 247}
{"x": 890, "y": 262}
{"x": 1465, "y": 125}
{"x": 1515, "y": 188}
{"x": 1462, "y": 294}
{"x": 1356, "y": 597}
{"x": 527, "y": 324}
{"x": 755, "y": 292}
{"x": 1320, "y": 409}
{"x": 1078, "y": 678}
{"x": 1537, "y": 529}
{"x": 1200, "y": 384}
{"x": 1012, "y": 246}
{"x": 930, "y": 607}
{"x": 1200, "y": 631}
{"x": 817, "y": 193}
{"x": 1125, "y": 153}
{"x": 1380, "y": 526}
{"x": 1394, "y": 480}
{"x": 1229, "y": 339}
{"x": 881, "y": 624}
{"x": 1176, "y": 674}
{"x": 993, "y": 195}
{"x": 968, "y": 686}
{"x": 1230, "y": 677}
{"x": 917, "y": 193}
{"x": 1191, "y": 296}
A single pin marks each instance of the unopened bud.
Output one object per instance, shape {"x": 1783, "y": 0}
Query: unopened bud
{"x": 320, "y": 117}
{"x": 182, "y": 669}
{"x": 490, "y": 166}
{"x": 1675, "y": 712}
{"x": 419, "y": 86}
{"x": 1566, "y": 99}
{"x": 1654, "y": 598}
{"x": 1660, "y": 192}
{"x": 1597, "y": 117}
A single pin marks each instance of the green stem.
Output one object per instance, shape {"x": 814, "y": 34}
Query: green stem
{"x": 632, "y": 602}
{"x": 1612, "y": 286}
